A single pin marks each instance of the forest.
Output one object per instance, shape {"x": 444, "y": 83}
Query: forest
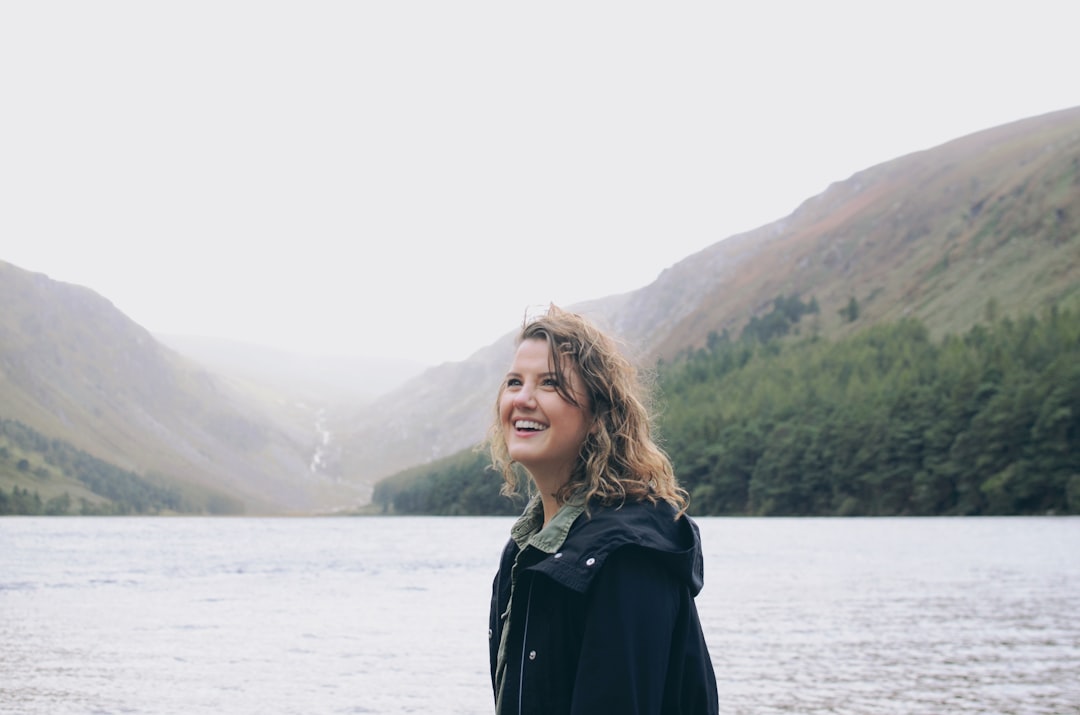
{"x": 885, "y": 422}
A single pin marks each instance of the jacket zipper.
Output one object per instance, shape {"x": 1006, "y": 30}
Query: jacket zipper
{"x": 524, "y": 645}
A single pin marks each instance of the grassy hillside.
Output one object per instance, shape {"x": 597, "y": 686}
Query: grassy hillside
{"x": 41, "y": 475}
{"x": 74, "y": 368}
{"x": 992, "y": 217}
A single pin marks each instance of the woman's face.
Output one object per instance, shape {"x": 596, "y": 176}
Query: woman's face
{"x": 543, "y": 432}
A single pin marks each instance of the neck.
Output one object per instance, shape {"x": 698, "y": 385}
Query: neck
{"x": 551, "y": 506}
{"x": 547, "y": 484}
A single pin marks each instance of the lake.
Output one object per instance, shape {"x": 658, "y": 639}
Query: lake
{"x": 389, "y": 615}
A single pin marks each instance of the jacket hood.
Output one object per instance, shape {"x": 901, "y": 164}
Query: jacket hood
{"x": 601, "y": 530}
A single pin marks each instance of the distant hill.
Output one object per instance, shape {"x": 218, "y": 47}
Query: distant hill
{"x": 75, "y": 368}
{"x": 987, "y": 220}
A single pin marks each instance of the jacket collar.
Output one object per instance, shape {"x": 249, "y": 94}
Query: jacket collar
{"x": 575, "y": 548}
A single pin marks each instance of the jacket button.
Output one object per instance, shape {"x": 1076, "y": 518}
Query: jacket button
{"x": 490, "y": 634}
{"x": 532, "y": 655}
{"x": 558, "y": 555}
{"x": 590, "y": 561}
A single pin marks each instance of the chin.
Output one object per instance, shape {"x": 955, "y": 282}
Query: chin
{"x": 521, "y": 456}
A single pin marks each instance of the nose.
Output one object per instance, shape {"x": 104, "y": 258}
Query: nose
{"x": 525, "y": 397}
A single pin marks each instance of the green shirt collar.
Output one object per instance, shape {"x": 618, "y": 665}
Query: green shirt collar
{"x": 529, "y": 529}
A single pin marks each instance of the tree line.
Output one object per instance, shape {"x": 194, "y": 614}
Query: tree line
{"x": 459, "y": 485}
{"x": 886, "y": 422}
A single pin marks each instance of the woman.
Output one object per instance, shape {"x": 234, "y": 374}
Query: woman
{"x": 592, "y": 609}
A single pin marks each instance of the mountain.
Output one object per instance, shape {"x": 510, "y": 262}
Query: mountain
{"x": 987, "y": 222}
{"x": 75, "y": 368}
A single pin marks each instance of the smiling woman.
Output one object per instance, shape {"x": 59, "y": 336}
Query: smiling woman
{"x": 544, "y": 419}
{"x": 592, "y": 608}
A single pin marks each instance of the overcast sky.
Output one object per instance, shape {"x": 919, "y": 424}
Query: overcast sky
{"x": 408, "y": 178}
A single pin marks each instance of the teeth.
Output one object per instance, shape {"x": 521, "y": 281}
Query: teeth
{"x": 529, "y": 424}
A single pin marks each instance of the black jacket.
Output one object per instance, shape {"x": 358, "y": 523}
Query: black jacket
{"x": 608, "y": 623}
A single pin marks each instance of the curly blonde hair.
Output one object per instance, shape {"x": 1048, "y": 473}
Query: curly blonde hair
{"x": 619, "y": 460}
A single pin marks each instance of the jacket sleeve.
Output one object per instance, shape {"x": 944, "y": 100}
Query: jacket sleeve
{"x": 631, "y": 614}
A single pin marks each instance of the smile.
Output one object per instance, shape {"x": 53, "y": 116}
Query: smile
{"x": 529, "y": 425}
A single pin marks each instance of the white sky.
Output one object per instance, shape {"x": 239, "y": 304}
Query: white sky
{"x": 406, "y": 178}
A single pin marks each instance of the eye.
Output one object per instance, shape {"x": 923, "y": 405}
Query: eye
{"x": 513, "y": 382}
{"x": 549, "y": 382}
